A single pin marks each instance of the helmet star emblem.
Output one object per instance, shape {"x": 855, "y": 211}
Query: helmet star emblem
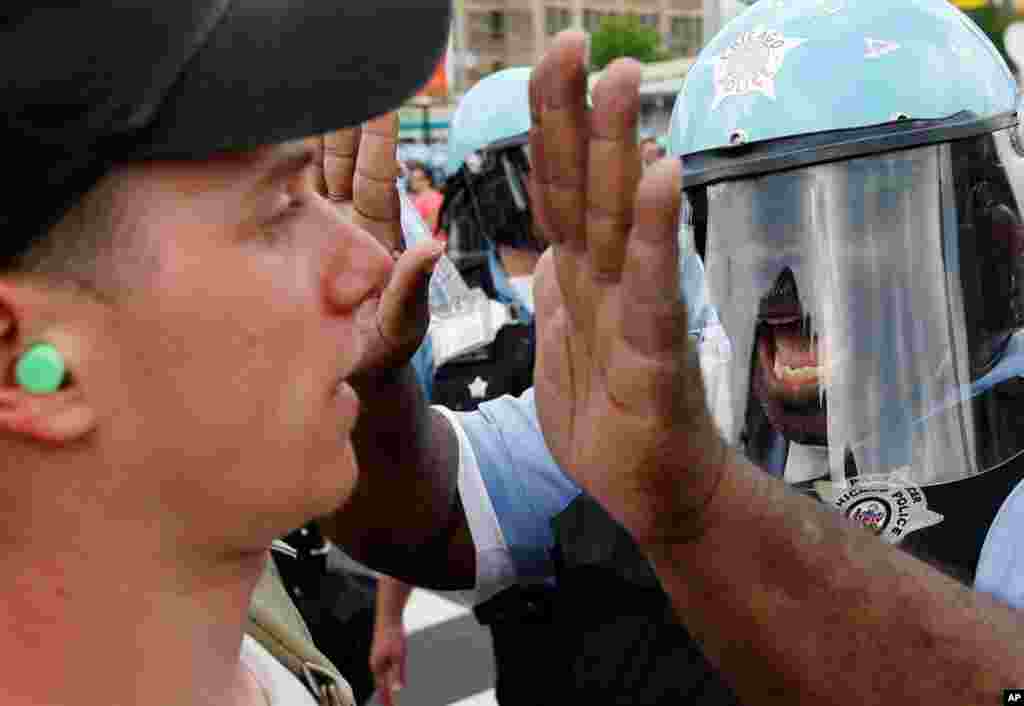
{"x": 751, "y": 64}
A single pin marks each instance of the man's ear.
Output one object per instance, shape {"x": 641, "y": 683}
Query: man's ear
{"x": 57, "y": 417}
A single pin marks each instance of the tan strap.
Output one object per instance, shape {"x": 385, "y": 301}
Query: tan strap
{"x": 276, "y": 623}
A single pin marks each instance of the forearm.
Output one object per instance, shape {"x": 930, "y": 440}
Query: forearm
{"x": 795, "y": 603}
{"x": 392, "y": 596}
{"x": 408, "y": 459}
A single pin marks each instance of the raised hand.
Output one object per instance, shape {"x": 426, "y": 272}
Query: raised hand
{"x": 618, "y": 389}
{"x": 358, "y": 173}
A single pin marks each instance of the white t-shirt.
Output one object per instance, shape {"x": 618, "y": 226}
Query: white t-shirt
{"x": 280, "y": 685}
{"x": 524, "y": 289}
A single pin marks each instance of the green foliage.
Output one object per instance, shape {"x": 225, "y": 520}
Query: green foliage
{"x": 993, "y": 21}
{"x": 620, "y": 36}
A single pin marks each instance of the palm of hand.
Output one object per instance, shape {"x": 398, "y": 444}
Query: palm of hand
{"x": 618, "y": 390}
{"x": 620, "y": 418}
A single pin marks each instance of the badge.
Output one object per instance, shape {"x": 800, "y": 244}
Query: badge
{"x": 889, "y": 505}
{"x": 750, "y": 64}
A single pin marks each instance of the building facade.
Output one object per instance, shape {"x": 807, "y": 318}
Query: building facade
{"x": 495, "y": 34}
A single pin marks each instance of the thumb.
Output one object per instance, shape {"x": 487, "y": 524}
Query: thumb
{"x": 389, "y": 685}
{"x": 404, "y": 311}
{"x": 395, "y": 678}
{"x": 385, "y": 695}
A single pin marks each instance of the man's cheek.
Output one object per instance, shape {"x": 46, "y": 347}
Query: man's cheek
{"x": 300, "y": 400}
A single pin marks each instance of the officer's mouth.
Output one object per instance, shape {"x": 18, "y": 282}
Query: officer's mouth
{"x": 789, "y": 374}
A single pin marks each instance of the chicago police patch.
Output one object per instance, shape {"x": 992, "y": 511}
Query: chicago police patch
{"x": 890, "y": 505}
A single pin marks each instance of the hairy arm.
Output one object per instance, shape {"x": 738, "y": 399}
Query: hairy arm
{"x": 796, "y": 604}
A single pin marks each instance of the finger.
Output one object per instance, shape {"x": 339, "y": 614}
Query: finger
{"x": 654, "y": 318}
{"x": 562, "y": 87}
{"x": 403, "y": 311}
{"x": 375, "y": 198}
{"x": 537, "y": 211}
{"x": 340, "y": 149}
{"x": 613, "y": 169}
{"x": 546, "y": 295}
{"x": 395, "y": 681}
{"x": 558, "y": 96}
{"x": 538, "y": 180}
{"x": 385, "y": 694}
{"x": 377, "y": 667}
{"x": 319, "y": 181}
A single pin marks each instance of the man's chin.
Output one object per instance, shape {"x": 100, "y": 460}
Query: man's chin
{"x": 803, "y": 425}
{"x": 800, "y": 417}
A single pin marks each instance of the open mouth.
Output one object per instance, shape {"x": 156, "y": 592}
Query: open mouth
{"x": 789, "y": 374}
{"x": 788, "y": 357}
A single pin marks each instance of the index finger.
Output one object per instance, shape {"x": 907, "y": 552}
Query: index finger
{"x": 561, "y": 90}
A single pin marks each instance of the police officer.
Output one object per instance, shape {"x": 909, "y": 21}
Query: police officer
{"x": 492, "y": 241}
{"x": 864, "y": 257}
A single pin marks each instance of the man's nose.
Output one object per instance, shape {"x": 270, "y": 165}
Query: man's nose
{"x": 358, "y": 267}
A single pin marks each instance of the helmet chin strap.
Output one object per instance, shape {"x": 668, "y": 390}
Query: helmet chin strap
{"x": 514, "y": 184}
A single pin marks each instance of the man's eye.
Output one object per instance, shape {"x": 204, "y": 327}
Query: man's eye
{"x": 277, "y": 225}
{"x": 287, "y": 206}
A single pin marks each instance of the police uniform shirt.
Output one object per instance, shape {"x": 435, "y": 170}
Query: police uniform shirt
{"x": 1001, "y": 567}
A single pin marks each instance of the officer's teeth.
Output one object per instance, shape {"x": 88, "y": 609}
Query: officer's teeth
{"x": 802, "y": 374}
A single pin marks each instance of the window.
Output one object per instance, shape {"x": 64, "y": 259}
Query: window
{"x": 686, "y": 33}
{"x": 496, "y": 24}
{"x": 649, "y": 21}
{"x": 558, "y": 18}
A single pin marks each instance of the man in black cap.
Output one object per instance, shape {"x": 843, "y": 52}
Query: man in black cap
{"x": 180, "y": 309}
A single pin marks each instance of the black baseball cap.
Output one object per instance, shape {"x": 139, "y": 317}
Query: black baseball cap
{"x": 93, "y": 83}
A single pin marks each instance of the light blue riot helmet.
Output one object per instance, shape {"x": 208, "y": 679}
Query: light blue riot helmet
{"x": 495, "y": 110}
{"x": 796, "y": 67}
{"x": 486, "y": 202}
{"x": 853, "y": 176}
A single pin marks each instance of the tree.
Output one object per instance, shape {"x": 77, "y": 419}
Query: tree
{"x": 993, "y": 18}
{"x": 625, "y": 35}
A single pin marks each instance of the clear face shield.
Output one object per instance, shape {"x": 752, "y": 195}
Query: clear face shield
{"x": 870, "y": 307}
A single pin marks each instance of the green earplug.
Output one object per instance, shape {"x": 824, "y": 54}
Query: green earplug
{"x": 40, "y": 369}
